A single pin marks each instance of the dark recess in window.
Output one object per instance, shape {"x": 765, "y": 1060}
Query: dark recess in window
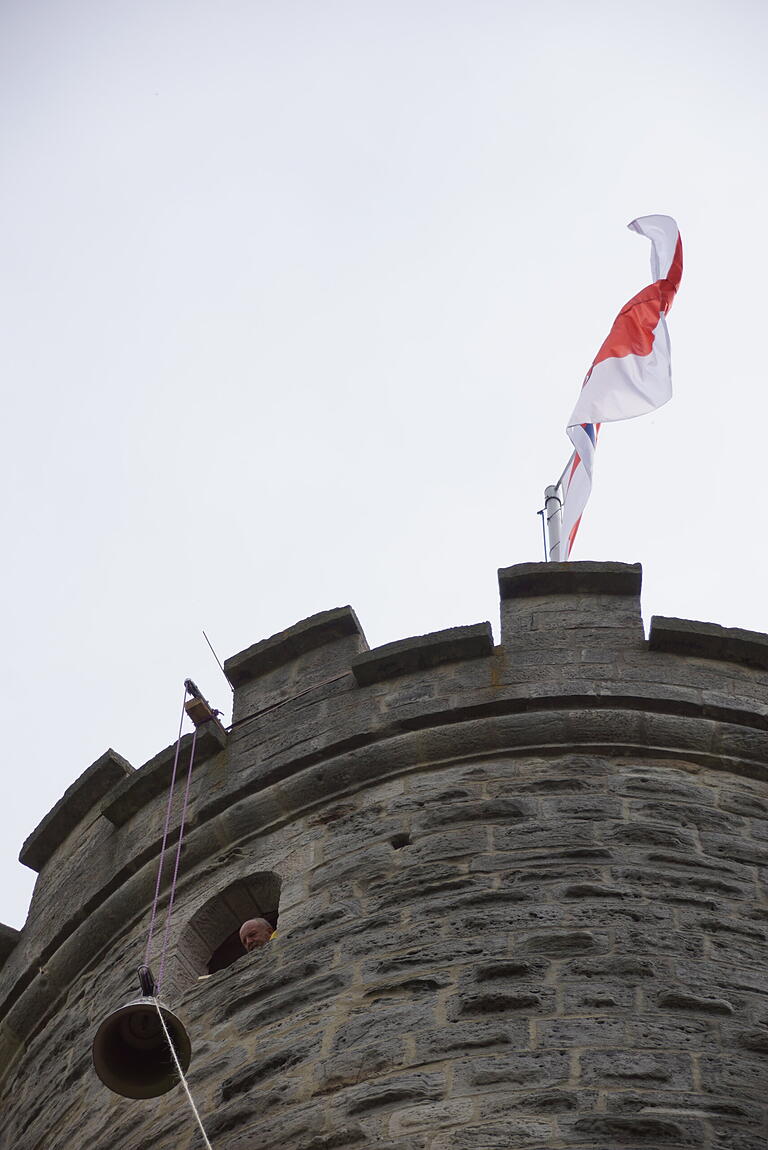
{"x": 211, "y": 940}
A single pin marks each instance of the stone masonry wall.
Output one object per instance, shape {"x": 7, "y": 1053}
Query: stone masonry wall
{"x": 523, "y": 895}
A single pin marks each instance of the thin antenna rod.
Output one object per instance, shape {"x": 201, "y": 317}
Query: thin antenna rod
{"x": 543, "y": 532}
{"x": 218, "y": 660}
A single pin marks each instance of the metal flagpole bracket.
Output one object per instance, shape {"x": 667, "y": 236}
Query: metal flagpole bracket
{"x": 542, "y": 513}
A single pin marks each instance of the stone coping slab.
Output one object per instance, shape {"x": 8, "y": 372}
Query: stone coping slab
{"x": 539, "y": 579}
{"x": 708, "y": 641}
{"x": 422, "y": 652}
{"x": 153, "y": 777}
{"x": 95, "y": 782}
{"x": 268, "y": 654}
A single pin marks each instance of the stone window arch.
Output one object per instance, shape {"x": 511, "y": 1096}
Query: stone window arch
{"x": 210, "y": 940}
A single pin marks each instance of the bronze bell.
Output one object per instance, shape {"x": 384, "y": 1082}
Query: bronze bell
{"x": 130, "y": 1050}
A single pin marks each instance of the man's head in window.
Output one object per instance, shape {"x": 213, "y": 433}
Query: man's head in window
{"x": 255, "y": 933}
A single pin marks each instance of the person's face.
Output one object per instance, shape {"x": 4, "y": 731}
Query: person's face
{"x": 255, "y": 934}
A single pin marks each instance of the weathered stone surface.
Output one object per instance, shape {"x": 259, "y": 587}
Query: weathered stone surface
{"x": 496, "y": 1135}
{"x": 616, "y": 1068}
{"x": 708, "y": 641}
{"x": 637, "y": 1130}
{"x": 9, "y": 936}
{"x": 152, "y": 779}
{"x": 77, "y": 802}
{"x": 426, "y": 651}
{"x": 431, "y": 1116}
{"x": 548, "y": 579}
{"x": 288, "y": 645}
{"x": 498, "y": 1003}
{"x": 522, "y": 899}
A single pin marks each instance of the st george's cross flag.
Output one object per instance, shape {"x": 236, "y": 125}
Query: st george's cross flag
{"x": 631, "y": 373}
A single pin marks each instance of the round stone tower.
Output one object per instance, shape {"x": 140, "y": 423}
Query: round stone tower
{"x": 520, "y": 895}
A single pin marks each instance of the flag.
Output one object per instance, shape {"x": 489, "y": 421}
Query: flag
{"x": 631, "y": 373}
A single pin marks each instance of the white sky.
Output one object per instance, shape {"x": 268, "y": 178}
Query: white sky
{"x": 296, "y": 300}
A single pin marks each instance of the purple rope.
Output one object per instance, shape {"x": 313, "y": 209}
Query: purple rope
{"x": 172, "y": 895}
{"x": 166, "y": 828}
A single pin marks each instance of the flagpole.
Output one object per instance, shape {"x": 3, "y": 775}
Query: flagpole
{"x": 566, "y": 469}
{"x": 553, "y": 512}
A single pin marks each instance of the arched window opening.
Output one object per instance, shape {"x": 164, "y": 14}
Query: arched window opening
{"x": 211, "y": 939}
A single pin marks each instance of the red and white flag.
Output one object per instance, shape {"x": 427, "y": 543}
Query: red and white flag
{"x": 631, "y": 373}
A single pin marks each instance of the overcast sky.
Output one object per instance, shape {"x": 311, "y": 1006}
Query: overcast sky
{"x": 296, "y": 300}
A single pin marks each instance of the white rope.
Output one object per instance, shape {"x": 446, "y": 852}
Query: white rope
{"x": 180, "y": 1073}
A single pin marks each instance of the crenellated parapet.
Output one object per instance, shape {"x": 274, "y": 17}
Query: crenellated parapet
{"x": 570, "y": 633}
{"x": 326, "y": 731}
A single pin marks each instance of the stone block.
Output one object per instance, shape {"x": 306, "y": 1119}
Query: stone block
{"x": 390, "y": 1092}
{"x": 516, "y": 1070}
{"x": 408, "y": 656}
{"x": 668, "y": 1033}
{"x": 260, "y": 1070}
{"x": 491, "y": 812}
{"x": 649, "y": 1130}
{"x": 542, "y": 580}
{"x": 743, "y": 802}
{"x": 462, "y": 1037}
{"x": 525, "y": 1132}
{"x": 384, "y": 1025}
{"x": 708, "y": 641}
{"x": 688, "y": 885}
{"x": 730, "y": 847}
{"x": 657, "y": 941}
{"x": 574, "y": 1033}
{"x": 736, "y": 951}
{"x": 431, "y": 1116}
{"x": 736, "y": 1075}
{"x": 498, "y": 1003}
{"x": 345, "y": 1068}
{"x": 749, "y": 1038}
{"x": 693, "y": 1103}
{"x": 361, "y": 866}
{"x": 535, "y": 836}
{"x": 286, "y": 646}
{"x": 552, "y": 1102}
{"x": 574, "y": 606}
{"x": 563, "y": 943}
{"x": 132, "y": 791}
{"x": 687, "y": 815}
{"x": 422, "y": 883}
{"x": 582, "y": 807}
{"x": 618, "y": 968}
{"x": 417, "y": 986}
{"x": 656, "y": 1070}
{"x": 463, "y": 843}
{"x": 308, "y": 995}
{"x": 302, "y": 668}
{"x": 78, "y": 801}
{"x": 505, "y": 971}
{"x": 443, "y": 954}
{"x": 645, "y": 834}
{"x": 597, "y": 998}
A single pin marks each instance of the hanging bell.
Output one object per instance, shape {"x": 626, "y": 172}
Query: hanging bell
{"x": 130, "y": 1051}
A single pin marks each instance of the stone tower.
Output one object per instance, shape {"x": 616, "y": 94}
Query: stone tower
{"x": 521, "y": 893}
